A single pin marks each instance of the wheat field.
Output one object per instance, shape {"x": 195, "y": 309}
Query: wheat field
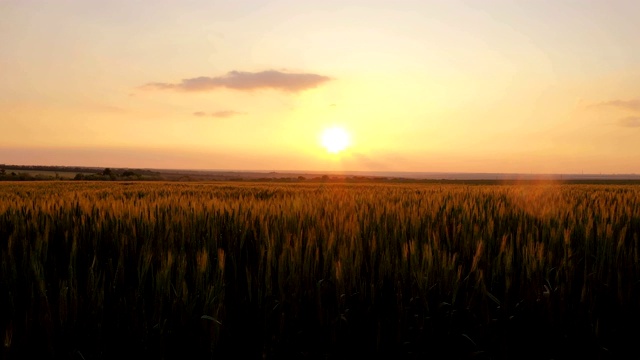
{"x": 102, "y": 270}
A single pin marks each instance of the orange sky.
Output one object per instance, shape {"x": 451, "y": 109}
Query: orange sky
{"x": 458, "y": 86}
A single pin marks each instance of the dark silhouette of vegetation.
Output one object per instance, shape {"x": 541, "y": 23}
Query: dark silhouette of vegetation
{"x": 23, "y": 176}
{"x": 110, "y": 176}
{"x": 85, "y": 171}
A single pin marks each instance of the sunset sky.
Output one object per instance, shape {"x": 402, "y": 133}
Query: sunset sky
{"x": 542, "y": 86}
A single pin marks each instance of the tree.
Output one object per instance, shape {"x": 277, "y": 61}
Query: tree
{"x": 106, "y": 172}
{"x": 3, "y": 172}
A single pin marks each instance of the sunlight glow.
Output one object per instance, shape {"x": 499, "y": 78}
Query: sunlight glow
{"x": 335, "y": 139}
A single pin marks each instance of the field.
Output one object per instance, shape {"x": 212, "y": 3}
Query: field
{"x": 105, "y": 270}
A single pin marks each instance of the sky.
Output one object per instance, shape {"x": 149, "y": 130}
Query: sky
{"x": 545, "y": 86}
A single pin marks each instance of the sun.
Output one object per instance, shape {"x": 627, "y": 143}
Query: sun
{"x": 335, "y": 139}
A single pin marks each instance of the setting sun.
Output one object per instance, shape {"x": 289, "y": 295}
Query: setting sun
{"x": 335, "y": 139}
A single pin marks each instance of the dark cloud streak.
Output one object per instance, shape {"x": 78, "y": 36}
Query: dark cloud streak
{"x": 632, "y": 121}
{"x": 633, "y": 105}
{"x": 246, "y": 81}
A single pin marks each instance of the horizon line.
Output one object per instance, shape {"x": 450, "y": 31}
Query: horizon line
{"x": 345, "y": 172}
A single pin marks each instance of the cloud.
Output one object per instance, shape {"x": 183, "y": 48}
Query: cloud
{"x": 219, "y": 114}
{"x": 631, "y": 121}
{"x": 245, "y": 81}
{"x": 633, "y": 105}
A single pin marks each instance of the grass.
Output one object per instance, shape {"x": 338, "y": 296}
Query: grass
{"x": 175, "y": 270}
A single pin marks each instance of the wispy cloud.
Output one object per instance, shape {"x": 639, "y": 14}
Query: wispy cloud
{"x": 631, "y": 121}
{"x": 246, "y": 81}
{"x": 633, "y": 105}
{"x": 219, "y": 114}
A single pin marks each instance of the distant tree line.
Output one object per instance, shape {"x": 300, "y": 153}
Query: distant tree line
{"x": 75, "y": 169}
{"x": 109, "y": 174}
{"x": 6, "y": 174}
{"x": 23, "y": 176}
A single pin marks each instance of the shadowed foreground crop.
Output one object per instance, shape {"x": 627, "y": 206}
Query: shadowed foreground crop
{"x": 107, "y": 270}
